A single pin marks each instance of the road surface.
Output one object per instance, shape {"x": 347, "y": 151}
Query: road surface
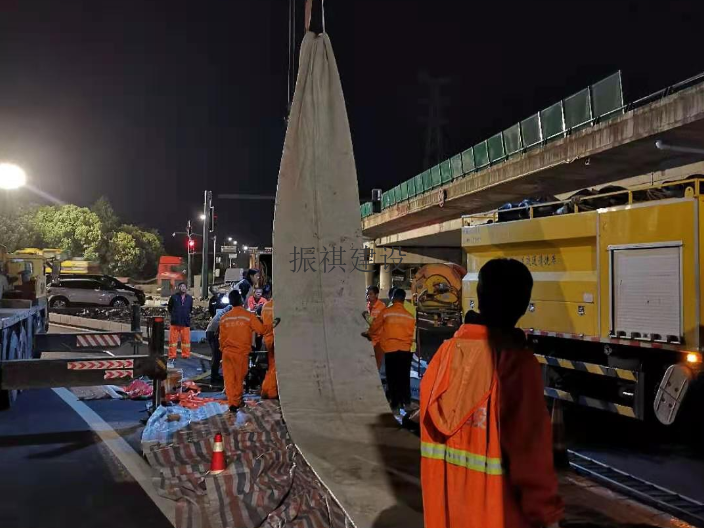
{"x": 70, "y": 464}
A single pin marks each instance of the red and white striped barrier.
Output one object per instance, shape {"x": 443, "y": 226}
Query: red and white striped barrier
{"x": 102, "y": 365}
{"x": 98, "y": 340}
{"x": 112, "y": 374}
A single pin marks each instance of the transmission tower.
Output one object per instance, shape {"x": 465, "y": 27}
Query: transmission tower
{"x": 435, "y": 121}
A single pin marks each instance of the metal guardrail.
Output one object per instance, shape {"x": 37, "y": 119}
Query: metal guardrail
{"x": 683, "y": 507}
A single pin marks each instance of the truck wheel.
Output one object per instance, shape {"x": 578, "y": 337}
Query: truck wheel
{"x": 59, "y": 302}
{"x": 119, "y": 302}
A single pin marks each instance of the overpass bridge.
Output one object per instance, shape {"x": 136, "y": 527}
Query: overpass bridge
{"x": 566, "y": 155}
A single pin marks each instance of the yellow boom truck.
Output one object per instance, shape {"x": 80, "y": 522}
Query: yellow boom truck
{"x": 615, "y": 317}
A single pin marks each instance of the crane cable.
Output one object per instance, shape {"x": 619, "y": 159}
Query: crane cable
{"x": 291, "y": 51}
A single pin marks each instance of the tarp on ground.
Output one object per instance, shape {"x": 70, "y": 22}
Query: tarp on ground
{"x": 329, "y": 386}
{"x": 266, "y": 484}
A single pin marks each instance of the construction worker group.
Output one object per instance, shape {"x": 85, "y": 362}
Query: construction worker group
{"x": 486, "y": 438}
{"x": 230, "y": 335}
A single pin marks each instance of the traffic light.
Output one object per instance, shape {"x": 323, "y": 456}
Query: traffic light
{"x": 213, "y": 219}
{"x": 191, "y": 245}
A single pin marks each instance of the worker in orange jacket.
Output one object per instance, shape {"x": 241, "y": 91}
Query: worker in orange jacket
{"x": 270, "y": 387}
{"x": 486, "y": 440}
{"x": 256, "y": 301}
{"x": 236, "y": 328}
{"x": 374, "y": 309}
{"x": 395, "y": 329}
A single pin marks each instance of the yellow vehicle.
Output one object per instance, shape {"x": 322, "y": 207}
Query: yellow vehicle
{"x": 26, "y": 275}
{"x": 78, "y": 266}
{"x": 52, "y": 257}
{"x": 615, "y": 316}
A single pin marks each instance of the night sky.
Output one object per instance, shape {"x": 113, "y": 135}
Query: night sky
{"x": 149, "y": 103}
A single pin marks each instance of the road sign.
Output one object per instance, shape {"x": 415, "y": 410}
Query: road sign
{"x": 228, "y": 249}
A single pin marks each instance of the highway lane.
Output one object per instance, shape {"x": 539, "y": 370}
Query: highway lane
{"x": 71, "y": 464}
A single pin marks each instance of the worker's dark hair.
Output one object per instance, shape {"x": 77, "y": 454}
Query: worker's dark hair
{"x": 180, "y": 283}
{"x": 472, "y": 317}
{"x": 504, "y": 291}
{"x": 235, "y": 298}
{"x": 251, "y": 272}
{"x": 391, "y": 292}
{"x": 399, "y": 295}
{"x": 373, "y": 289}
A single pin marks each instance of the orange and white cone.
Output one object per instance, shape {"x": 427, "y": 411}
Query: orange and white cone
{"x": 217, "y": 464}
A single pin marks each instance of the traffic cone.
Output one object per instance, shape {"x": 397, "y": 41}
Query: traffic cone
{"x": 217, "y": 464}
{"x": 559, "y": 447}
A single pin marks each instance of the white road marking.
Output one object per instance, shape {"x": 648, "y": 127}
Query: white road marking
{"x": 131, "y": 460}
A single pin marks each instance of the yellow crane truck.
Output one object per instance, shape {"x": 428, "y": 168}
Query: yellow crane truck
{"x": 616, "y": 312}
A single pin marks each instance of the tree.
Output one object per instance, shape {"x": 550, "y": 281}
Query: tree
{"x": 16, "y": 230}
{"x": 106, "y": 214}
{"x": 109, "y": 222}
{"x": 123, "y": 256}
{"x": 151, "y": 247}
{"x": 76, "y": 230}
{"x": 95, "y": 234}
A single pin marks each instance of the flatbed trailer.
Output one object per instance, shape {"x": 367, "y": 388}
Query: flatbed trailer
{"x": 23, "y": 337}
{"x": 615, "y": 316}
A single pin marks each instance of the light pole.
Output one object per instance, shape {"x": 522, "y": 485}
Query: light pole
{"x": 215, "y": 253}
{"x": 207, "y": 211}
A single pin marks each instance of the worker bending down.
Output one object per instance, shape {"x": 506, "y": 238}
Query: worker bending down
{"x": 236, "y": 328}
{"x": 270, "y": 387}
{"x": 486, "y": 441}
{"x": 395, "y": 328}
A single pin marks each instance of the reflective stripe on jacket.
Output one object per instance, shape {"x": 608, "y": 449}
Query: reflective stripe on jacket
{"x": 485, "y": 438}
{"x": 394, "y": 328}
{"x": 461, "y": 469}
{"x": 236, "y": 328}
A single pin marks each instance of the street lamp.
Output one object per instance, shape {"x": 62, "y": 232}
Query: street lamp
{"x": 229, "y": 239}
{"x": 245, "y": 248}
{"x": 12, "y": 176}
{"x": 202, "y": 217}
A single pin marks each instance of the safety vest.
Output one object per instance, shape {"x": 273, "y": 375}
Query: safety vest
{"x": 395, "y": 328}
{"x": 461, "y": 469}
{"x": 268, "y": 320}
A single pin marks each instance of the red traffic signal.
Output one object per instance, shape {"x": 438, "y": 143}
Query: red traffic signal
{"x": 191, "y": 244}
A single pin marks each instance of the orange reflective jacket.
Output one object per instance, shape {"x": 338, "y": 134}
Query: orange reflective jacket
{"x": 268, "y": 320}
{"x": 374, "y": 310}
{"x": 236, "y": 328}
{"x": 485, "y": 465}
{"x": 394, "y": 328}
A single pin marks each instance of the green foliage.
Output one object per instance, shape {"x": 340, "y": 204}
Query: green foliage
{"x": 106, "y": 214}
{"x": 95, "y": 233}
{"x": 134, "y": 252}
{"x": 74, "y": 229}
{"x": 16, "y": 230}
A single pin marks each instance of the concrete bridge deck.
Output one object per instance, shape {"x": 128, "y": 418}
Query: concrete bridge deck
{"x": 614, "y": 150}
